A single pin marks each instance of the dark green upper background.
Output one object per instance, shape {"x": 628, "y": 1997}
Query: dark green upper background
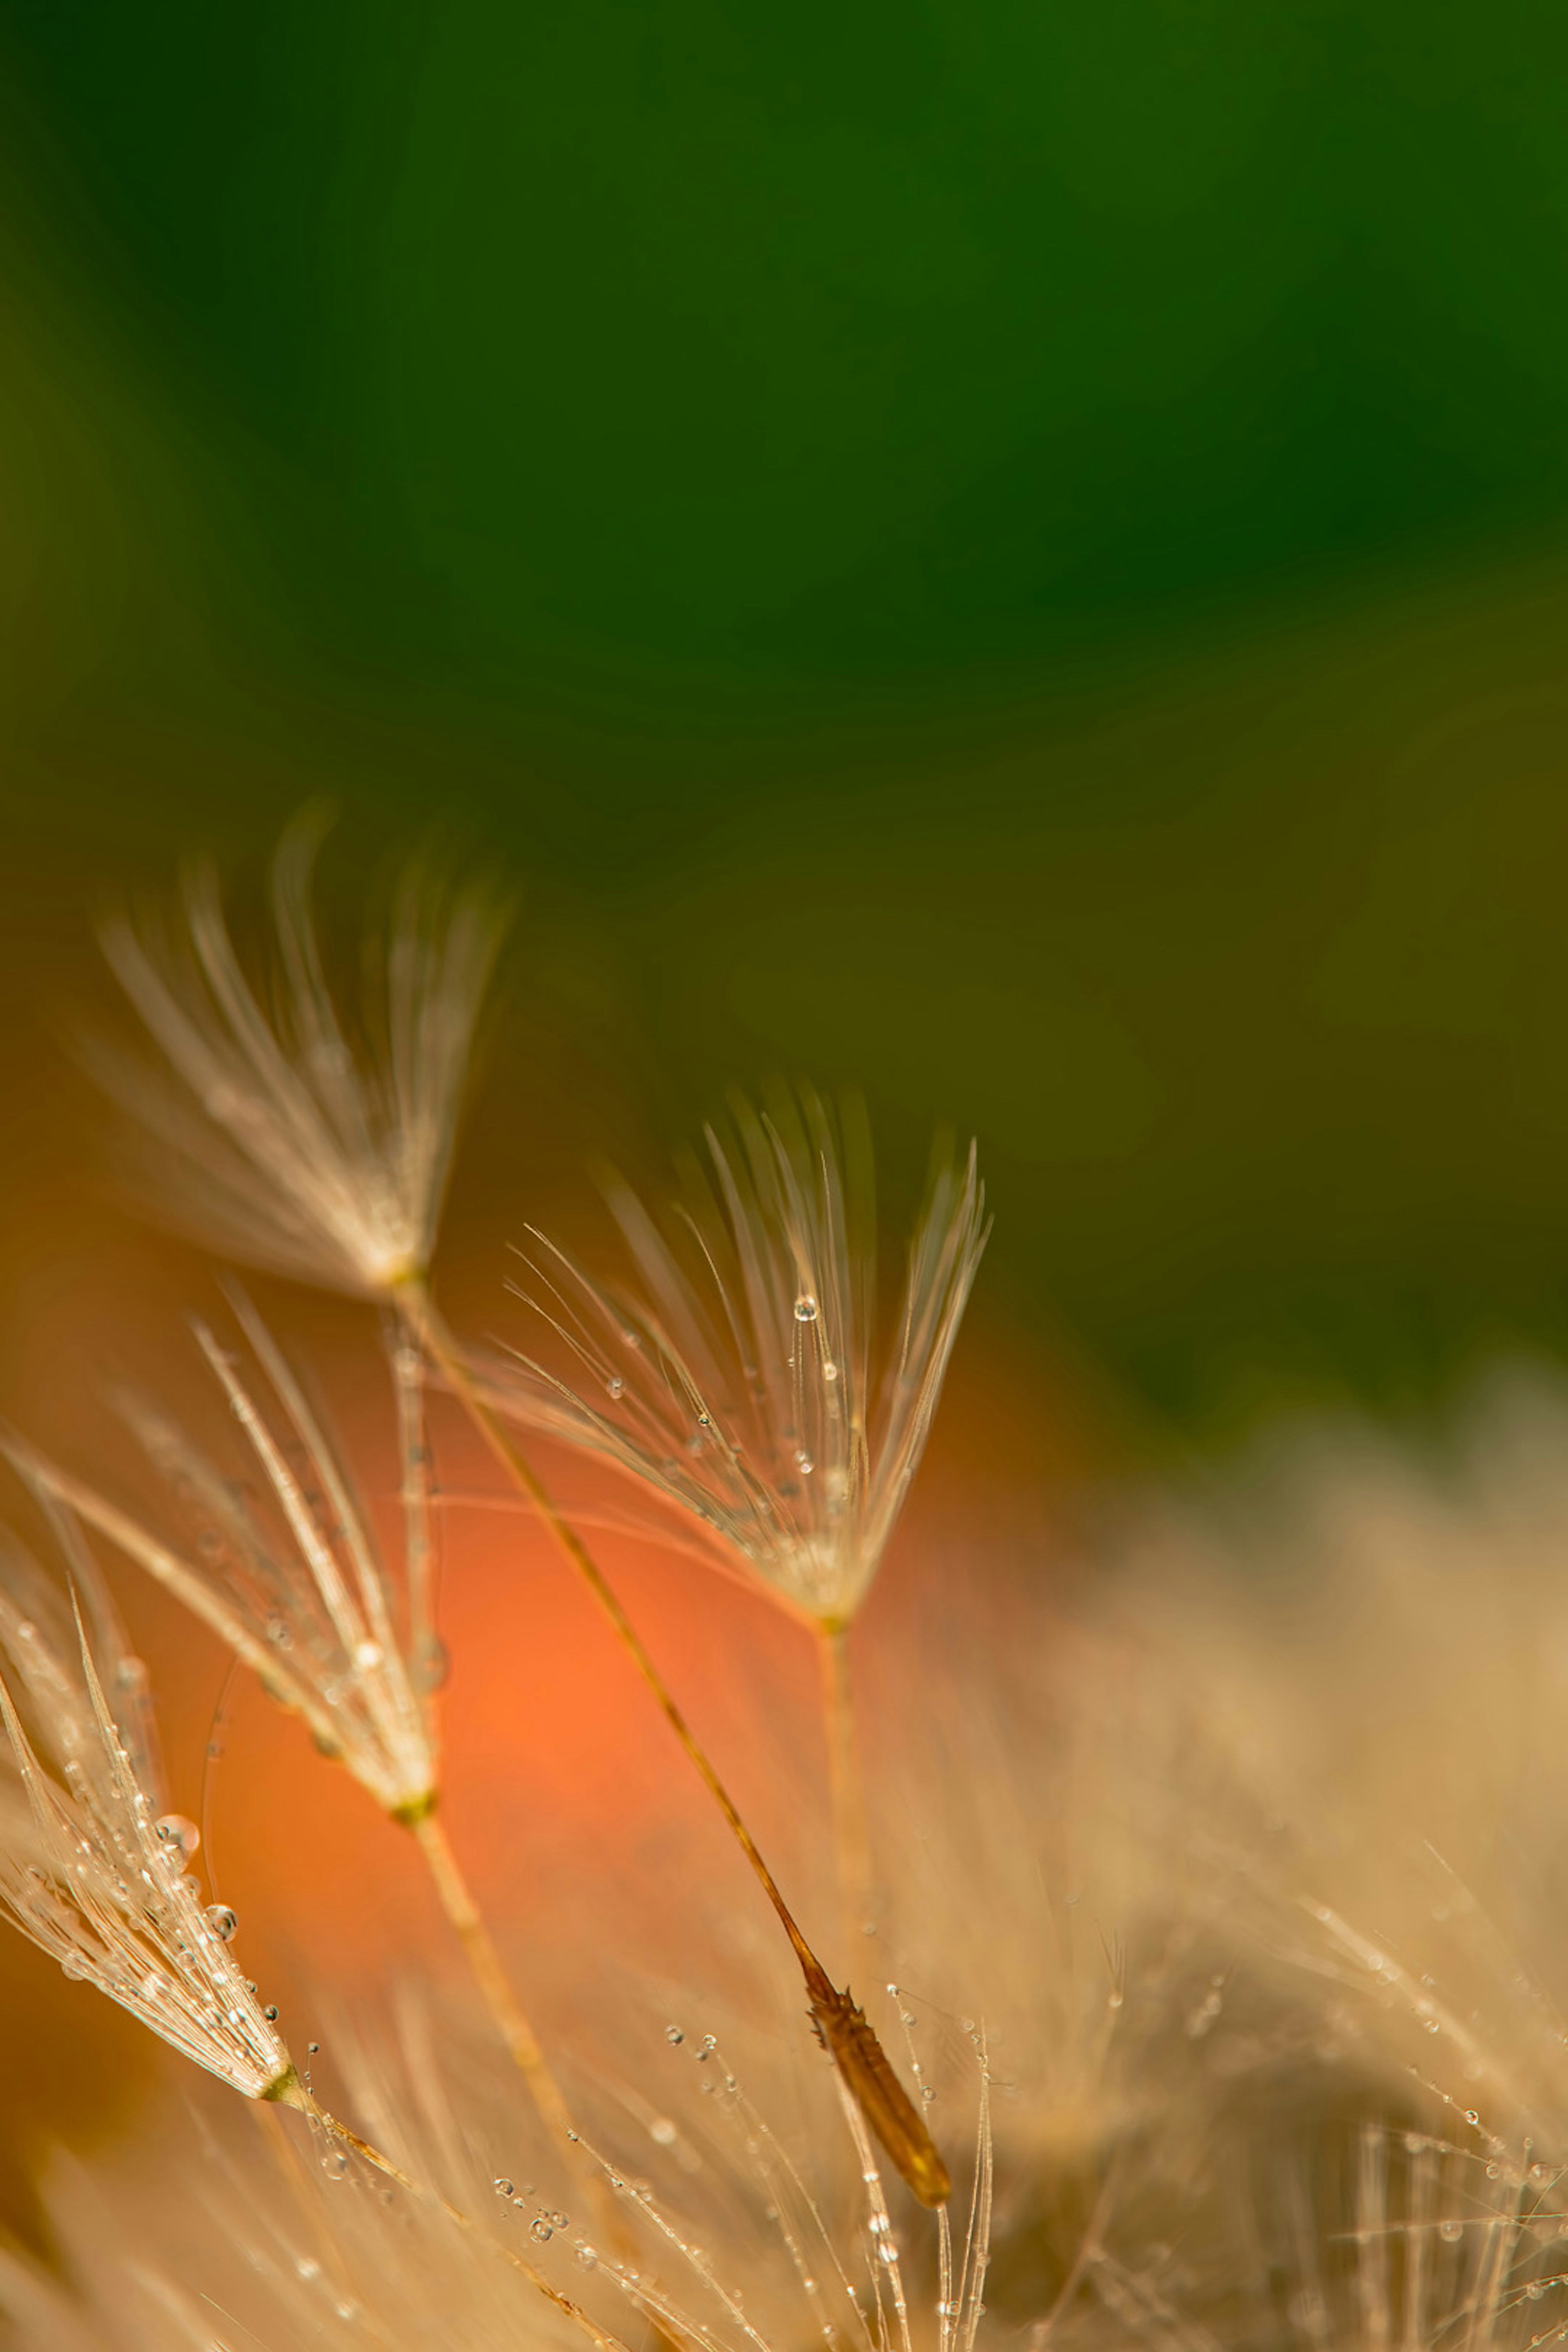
{"x": 828, "y": 341}
{"x": 938, "y": 533}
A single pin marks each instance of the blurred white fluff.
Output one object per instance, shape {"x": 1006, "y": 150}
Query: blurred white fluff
{"x": 1183, "y": 1880}
{"x": 736, "y": 1376}
{"x": 290, "y": 1142}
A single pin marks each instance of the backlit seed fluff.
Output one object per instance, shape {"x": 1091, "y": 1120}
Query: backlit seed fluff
{"x": 300, "y": 1593}
{"x": 292, "y": 1139}
{"x": 736, "y": 1371}
{"x": 100, "y": 1882}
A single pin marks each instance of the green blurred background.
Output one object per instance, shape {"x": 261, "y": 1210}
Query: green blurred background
{"x": 1016, "y": 553}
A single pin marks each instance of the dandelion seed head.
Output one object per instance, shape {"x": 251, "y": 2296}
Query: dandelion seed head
{"x": 94, "y": 1885}
{"x": 736, "y": 1373}
{"x": 293, "y": 1579}
{"x": 284, "y": 1138}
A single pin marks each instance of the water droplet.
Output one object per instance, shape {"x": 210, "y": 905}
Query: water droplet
{"x": 705, "y": 2048}
{"x": 541, "y": 2229}
{"x": 312, "y": 2047}
{"x": 1471, "y": 2117}
{"x": 307, "y": 2268}
{"x": 406, "y": 1363}
{"x": 1536, "y": 2289}
{"x": 152, "y": 1985}
{"x": 367, "y": 1654}
{"x": 271, "y": 2013}
{"x": 222, "y": 1921}
{"x": 504, "y": 2188}
{"x": 587, "y": 2255}
{"x": 131, "y": 1674}
{"x": 662, "y": 2130}
{"x": 175, "y": 1830}
{"x": 1450, "y": 2232}
{"x": 74, "y": 1965}
{"x": 673, "y": 2034}
{"x": 1432, "y": 2025}
{"x": 806, "y": 1461}
{"x": 334, "y": 2164}
{"x": 1414, "y": 2143}
{"x": 615, "y": 1386}
{"x": 830, "y": 1372}
{"x": 431, "y": 1663}
{"x": 805, "y": 1307}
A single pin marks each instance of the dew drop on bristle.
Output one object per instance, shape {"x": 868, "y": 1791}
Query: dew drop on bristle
{"x": 431, "y": 1663}
{"x": 805, "y": 1308}
{"x": 673, "y": 2035}
{"x": 1450, "y": 2232}
{"x": 541, "y": 2230}
{"x": 176, "y": 1832}
{"x": 504, "y": 2188}
{"x": 74, "y": 1965}
{"x": 222, "y": 1921}
{"x": 615, "y": 1386}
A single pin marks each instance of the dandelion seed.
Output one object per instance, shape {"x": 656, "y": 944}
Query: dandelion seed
{"x": 740, "y": 1386}
{"x": 309, "y": 1572}
{"x": 293, "y": 1147}
{"x": 103, "y": 1893}
{"x": 761, "y": 1344}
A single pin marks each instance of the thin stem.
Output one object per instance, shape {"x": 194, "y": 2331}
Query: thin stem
{"x": 520, "y": 2040}
{"x": 290, "y": 2092}
{"x": 567, "y": 1540}
{"x": 851, "y": 1836}
{"x": 408, "y": 1371}
{"x": 488, "y": 1974}
{"x": 419, "y": 1546}
{"x": 291, "y": 2165}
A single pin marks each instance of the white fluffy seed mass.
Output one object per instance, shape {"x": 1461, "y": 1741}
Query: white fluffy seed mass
{"x": 1226, "y": 1914}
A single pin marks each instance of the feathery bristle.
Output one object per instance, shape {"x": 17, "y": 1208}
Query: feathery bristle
{"x": 742, "y": 1386}
{"x": 292, "y": 1142}
{"x": 101, "y": 1886}
{"x": 304, "y": 1596}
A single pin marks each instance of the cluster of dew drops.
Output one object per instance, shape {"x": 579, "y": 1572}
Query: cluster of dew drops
{"x": 180, "y": 1837}
{"x": 546, "y": 2223}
